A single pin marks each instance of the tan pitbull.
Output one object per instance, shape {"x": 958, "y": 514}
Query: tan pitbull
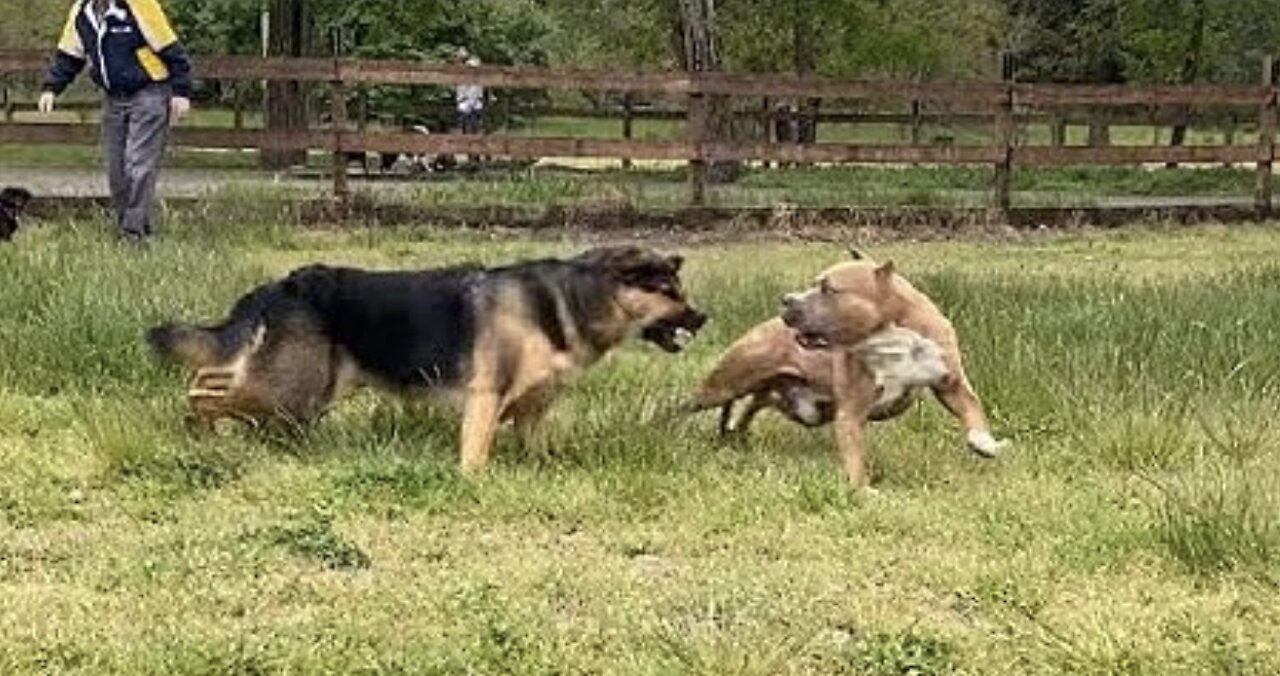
{"x": 856, "y": 316}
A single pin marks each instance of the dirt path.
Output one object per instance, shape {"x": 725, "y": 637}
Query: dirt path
{"x": 93, "y": 182}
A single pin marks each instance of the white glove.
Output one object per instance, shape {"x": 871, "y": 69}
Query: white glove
{"x": 179, "y": 106}
{"x": 45, "y": 104}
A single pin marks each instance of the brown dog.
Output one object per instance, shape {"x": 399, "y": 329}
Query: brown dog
{"x": 787, "y": 363}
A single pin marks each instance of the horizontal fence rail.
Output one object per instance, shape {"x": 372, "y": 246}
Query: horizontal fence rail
{"x": 1005, "y": 105}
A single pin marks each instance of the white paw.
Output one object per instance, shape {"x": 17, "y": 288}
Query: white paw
{"x": 982, "y": 443}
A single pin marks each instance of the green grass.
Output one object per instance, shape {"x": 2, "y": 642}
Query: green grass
{"x": 833, "y": 187}
{"x": 1131, "y": 528}
{"x": 663, "y": 185}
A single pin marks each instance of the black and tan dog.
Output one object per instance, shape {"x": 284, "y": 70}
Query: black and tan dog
{"x": 852, "y": 349}
{"x": 12, "y": 202}
{"x": 500, "y": 340}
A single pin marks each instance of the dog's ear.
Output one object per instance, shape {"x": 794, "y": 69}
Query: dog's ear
{"x": 630, "y": 263}
{"x": 885, "y": 271}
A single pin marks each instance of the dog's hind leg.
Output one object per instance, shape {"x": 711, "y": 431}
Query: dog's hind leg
{"x": 528, "y": 415}
{"x": 957, "y": 396}
{"x": 213, "y": 382}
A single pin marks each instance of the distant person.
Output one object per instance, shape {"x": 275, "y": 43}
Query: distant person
{"x": 786, "y": 128}
{"x": 470, "y": 99}
{"x": 145, "y": 75}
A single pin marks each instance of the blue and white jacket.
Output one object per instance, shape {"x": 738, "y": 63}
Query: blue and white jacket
{"x": 131, "y": 46}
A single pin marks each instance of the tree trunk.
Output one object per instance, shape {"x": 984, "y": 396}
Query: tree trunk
{"x": 286, "y": 102}
{"x": 1190, "y": 71}
{"x": 806, "y": 63}
{"x": 699, "y": 53}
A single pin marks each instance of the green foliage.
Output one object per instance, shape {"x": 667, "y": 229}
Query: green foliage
{"x": 611, "y": 33}
{"x": 1143, "y": 40}
{"x": 1057, "y": 40}
{"x": 217, "y": 26}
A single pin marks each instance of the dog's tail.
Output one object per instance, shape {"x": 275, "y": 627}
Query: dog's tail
{"x": 198, "y": 346}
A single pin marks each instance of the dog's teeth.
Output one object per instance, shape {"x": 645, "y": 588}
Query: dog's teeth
{"x": 683, "y": 337}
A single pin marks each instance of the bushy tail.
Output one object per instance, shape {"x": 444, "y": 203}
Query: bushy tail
{"x": 198, "y": 346}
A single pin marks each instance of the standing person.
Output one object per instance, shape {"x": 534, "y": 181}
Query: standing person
{"x": 470, "y": 100}
{"x": 145, "y": 75}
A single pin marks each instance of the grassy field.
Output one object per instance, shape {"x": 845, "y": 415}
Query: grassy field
{"x": 940, "y": 187}
{"x": 1131, "y": 528}
{"x": 662, "y": 185}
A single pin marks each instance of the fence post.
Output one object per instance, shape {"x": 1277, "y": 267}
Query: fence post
{"x": 7, "y": 100}
{"x": 237, "y": 106}
{"x": 1005, "y": 135}
{"x": 695, "y": 134}
{"x": 1266, "y": 140}
{"x": 917, "y": 123}
{"x": 362, "y": 108}
{"x": 338, "y": 120}
{"x": 628, "y": 122}
{"x": 1057, "y": 129}
{"x": 1229, "y": 135}
{"x": 767, "y": 126}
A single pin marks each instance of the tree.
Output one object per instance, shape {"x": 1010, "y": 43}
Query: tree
{"x": 291, "y": 35}
{"x": 218, "y": 26}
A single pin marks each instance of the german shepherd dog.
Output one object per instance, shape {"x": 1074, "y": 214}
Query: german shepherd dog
{"x": 500, "y": 340}
{"x": 12, "y": 202}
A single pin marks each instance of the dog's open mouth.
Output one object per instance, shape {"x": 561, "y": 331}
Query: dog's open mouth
{"x": 674, "y": 335}
{"x": 812, "y": 341}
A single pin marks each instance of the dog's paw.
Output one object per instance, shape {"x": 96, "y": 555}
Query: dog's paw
{"x": 982, "y": 443}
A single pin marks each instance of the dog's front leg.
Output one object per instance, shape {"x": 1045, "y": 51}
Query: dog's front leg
{"x": 479, "y": 425}
{"x": 739, "y": 425}
{"x": 855, "y": 391}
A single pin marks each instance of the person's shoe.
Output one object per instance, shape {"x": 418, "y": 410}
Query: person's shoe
{"x": 135, "y": 240}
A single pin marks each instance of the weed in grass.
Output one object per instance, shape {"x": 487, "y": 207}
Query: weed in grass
{"x": 395, "y": 485}
{"x": 1225, "y": 654}
{"x": 1009, "y": 593}
{"x": 313, "y": 537}
{"x": 905, "y": 652}
{"x": 143, "y": 446}
{"x": 502, "y": 640}
{"x": 242, "y": 656}
{"x": 1138, "y": 441}
{"x": 1222, "y": 520}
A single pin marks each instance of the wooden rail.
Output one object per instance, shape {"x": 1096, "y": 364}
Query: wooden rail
{"x": 1006, "y": 104}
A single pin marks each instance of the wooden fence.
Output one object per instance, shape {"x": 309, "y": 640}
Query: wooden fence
{"x": 1005, "y": 102}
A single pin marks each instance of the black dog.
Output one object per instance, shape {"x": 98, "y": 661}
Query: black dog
{"x": 12, "y": 202}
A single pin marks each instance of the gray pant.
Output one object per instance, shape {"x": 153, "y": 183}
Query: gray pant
{"x": 135, "y": 130}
